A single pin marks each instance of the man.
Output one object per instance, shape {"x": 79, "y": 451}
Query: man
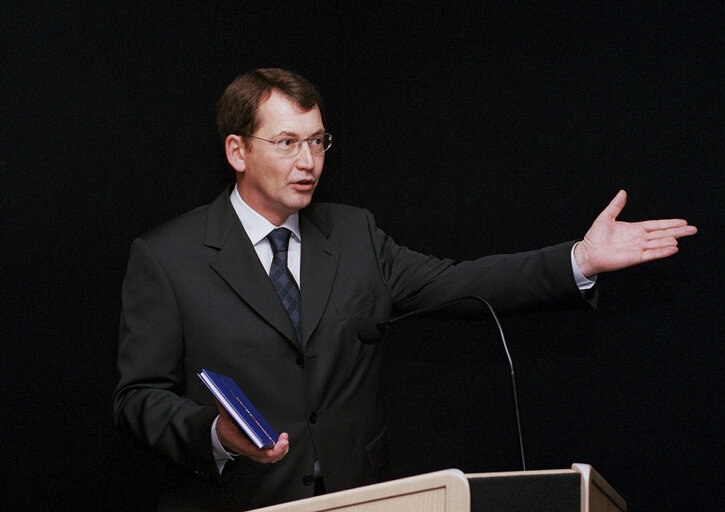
{"x": 202, "y": 292}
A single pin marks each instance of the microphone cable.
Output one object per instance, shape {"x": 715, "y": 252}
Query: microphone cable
{"x": 384, "y": 326}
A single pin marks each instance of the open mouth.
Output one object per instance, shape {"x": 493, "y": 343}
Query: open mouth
{"x": 307, "y": 184}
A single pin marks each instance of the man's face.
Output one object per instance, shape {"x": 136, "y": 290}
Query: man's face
{"x": 273, "y": 185}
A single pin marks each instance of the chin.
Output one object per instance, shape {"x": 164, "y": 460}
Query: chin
{"x": 303, "y": 205}
{"x": 301, "y": 202}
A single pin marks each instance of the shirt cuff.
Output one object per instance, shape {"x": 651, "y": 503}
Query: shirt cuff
{"x": 582, "y": 282}
{"x": 221, "y": 456}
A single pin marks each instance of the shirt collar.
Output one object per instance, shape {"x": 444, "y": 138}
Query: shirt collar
{"x": 256, "y": 226}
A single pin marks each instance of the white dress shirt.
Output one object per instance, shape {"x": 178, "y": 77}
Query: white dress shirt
{"x": 257, "y": 228}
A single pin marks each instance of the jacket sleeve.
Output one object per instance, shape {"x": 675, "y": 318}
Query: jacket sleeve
{"x": 532, "y": 280}
{"x": 149, "y": 401}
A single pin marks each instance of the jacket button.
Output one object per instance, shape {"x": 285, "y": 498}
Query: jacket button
{"x": 307, "y": 480}
{"x": 301, "y": 362}
{"x": 313, "y": 418}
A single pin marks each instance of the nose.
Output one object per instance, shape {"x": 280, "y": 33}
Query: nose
{"x": 305, "y": 159}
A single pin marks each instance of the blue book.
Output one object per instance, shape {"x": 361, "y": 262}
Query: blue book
{"x": 241, "y": 409}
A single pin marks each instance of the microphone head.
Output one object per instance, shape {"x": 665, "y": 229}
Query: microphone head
{"x": 370, "y": 331}
{"x": 383, "y": 327}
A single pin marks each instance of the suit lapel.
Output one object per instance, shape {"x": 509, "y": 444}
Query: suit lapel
{"x": 318, "y": 267}
{"x": 238, "y": 264}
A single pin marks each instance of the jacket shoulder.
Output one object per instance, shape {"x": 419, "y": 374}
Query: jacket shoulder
{"x": 192, "y": 226}
{"x": 331, "y": 216}
{"x": 180, "y": 227}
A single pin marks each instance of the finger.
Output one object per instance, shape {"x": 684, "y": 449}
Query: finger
{"x": 265, "y": 456}
{"x": 615, "y": 206}
{"x": 282, "y": 444}
{"x": 656, "y": 254}
{"x": 281, "y": 448}
{"x": 658, "y": 243}
{"x": 682, "y": 231}
{"x": 654, "y": 225}
{"x": 279, "y": 456}
{"x": 672, "y": 232}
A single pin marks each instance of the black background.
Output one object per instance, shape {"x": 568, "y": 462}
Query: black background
{"x": 467, "y": 129}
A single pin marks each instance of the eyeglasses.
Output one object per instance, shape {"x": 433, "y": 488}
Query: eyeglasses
{"x": 290, "y": 146}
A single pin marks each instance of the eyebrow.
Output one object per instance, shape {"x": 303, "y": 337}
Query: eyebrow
{"x": 296, "y": 135}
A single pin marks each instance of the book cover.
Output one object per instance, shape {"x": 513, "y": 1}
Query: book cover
{"x": 241, "y": 409}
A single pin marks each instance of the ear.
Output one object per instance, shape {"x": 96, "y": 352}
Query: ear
{"x": 235, "y": 151}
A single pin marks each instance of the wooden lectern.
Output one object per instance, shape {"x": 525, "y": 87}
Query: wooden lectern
{"x": 579, "y": 489}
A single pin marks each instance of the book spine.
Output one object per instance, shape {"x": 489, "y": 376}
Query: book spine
{"x": 230, "y": 408}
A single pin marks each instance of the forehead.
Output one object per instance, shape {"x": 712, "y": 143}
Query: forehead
{"x": 279, "y": 113}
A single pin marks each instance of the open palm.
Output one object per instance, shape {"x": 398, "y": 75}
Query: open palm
{"x": 611, "y": 244}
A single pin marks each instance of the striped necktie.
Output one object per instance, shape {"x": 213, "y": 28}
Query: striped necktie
{"x": 282, "y": 278}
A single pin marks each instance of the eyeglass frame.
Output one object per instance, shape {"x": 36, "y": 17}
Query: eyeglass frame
{"x": 299, "y": 143}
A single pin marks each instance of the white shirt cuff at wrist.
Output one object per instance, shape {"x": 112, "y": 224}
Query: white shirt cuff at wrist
{"x": 582, "y": 282}
{"x": 221, "y": 456}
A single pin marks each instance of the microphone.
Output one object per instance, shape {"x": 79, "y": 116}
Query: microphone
{"x": 370, "y": 331}
{"x": 383, "y": 327}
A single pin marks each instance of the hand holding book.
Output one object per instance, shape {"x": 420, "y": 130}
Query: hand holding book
{"x": 235, "y": 440}
{"x": 242, "y": 429}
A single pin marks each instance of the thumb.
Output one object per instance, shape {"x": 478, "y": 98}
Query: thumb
{"x": 614, "y": 208}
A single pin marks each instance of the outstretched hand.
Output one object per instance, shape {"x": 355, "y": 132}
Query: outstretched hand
{"x": 235, "y": 441}
{"x": 612, "y": 245}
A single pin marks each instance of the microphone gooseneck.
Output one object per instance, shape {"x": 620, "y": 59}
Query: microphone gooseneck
{"x": 383, "y": 327}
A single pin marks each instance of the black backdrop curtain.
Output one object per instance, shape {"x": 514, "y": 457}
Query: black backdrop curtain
{"x": 466, "y": 129}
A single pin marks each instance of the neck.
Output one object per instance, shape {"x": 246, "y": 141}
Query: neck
{"x": 272, "y": 216}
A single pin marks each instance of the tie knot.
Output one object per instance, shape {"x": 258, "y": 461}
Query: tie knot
{"x": 279, "y": 239}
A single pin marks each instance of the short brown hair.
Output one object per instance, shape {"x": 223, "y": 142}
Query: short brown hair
{"x": 237, "y": 108}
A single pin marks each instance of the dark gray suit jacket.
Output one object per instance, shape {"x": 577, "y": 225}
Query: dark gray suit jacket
{"x": 196, "y": 296}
